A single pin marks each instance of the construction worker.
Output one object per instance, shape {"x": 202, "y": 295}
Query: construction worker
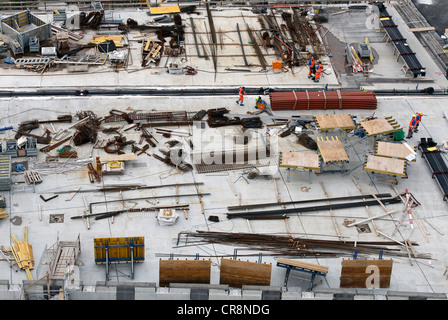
{"x": 418, "y": 117}
{"x": 241, "y": 92}
{"x": 412, "y": 125}
{"x": 260, "y": 104}
{"x": 312, "y": 67}
{"x": 318, "y": 71}
{"x": 359, "y": 131}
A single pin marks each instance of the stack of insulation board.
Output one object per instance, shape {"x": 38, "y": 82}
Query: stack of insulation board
{"x": 309, "y": 100}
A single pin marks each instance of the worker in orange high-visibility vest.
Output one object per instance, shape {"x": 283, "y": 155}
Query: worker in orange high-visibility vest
{"x": 412, "y": 125}
{"x": 418, "y": 117}
{"x": 260, "y": 104}
{"x": 318, "y": 71}
{"x": 312, "y": 67}
{"x": 241, "y": 92}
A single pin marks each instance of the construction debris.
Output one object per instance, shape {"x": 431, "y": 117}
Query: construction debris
{"x": 306, "y": 141}
{"x": 121, "y": 143}
{"x": 167, "y": 217}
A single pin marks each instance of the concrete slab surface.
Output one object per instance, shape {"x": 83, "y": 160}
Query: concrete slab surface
{"x": 423, "y": 274}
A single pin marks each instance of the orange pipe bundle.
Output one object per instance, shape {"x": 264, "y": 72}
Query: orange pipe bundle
{"x": 322, "y": 100}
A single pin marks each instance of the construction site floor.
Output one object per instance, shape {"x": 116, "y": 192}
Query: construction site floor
{"x": 422, "y": 275}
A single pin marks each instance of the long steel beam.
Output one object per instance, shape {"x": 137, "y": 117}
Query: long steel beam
{"x": 242, "y": 46}
{"x": 310, "y": 209}
{"x": 251, "y": 206}
{"x": 144, "y": 198}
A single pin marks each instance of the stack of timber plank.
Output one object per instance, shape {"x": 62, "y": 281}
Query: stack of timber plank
{"x": 322, "y": 100}
{"x": 71, "y": 34}
{"x": 23, "y": 253}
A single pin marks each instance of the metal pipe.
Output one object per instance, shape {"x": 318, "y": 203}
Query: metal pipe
{"x": 242, "y": 47}
{"x": 143, "y": 198}
{"x": 203, "y": 92}
{"x": 309, "y": 209}
{"x": 381, "y": 195}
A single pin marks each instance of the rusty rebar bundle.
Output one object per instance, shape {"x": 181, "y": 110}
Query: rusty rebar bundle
{"x": 287, "y": 245}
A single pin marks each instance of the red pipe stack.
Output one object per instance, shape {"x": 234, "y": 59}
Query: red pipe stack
{"x": 312, "y": 100}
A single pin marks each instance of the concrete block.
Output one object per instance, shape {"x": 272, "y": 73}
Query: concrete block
{"x": 218, "y": 294}
{"x": 336, "y": 290}
{"x": 145, "y": 293}
{"x": 9, "y": 295}
{"x": 261, "y": 288}
{"x": 101, "y": 289}
{"x": 4, "y": 285}
{"x": 363, "y": 297}
{"x": 126, "y": 292}
{"x": 86, "y": 295}
{"x": 78, "y": 295}
{"x": 397, "y": 298}
{"x": 343, "y": 296}
{"x": 199, "y": 294}
{"x": 231, "y": 294}
{"x": 441, "y": 298}
{"x": 365, "y": 291}
{"x": 307, "y": 295}
{"x": 271, "y": 295}
{"x": 173, "y": 294}
{"x": 291, "y": 295}
{"x": 251, "y": 294}
{"x": 323, "y": 296}
{"x": 415, "y": 295}
{"x": 105, "y": 293}
{"x": 200, "y": 286}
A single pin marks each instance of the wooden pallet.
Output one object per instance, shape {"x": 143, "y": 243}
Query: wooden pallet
{"x": 32, "y": 177}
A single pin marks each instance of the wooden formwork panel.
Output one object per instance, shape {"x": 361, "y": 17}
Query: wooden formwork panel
{"x": 384, "y": 165}
{"x": 394, "y": 150}
{"x": 334, "y": 121}
{"x": 331, "y": 150}
{"x": 361, "y": 273}
{"x": 236, "y": 273}
{"x": 184, "y": 271}
{"x": 307, "y": 161}
{"x": 380, "y": 126}
{"x": 119, "y": 249}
